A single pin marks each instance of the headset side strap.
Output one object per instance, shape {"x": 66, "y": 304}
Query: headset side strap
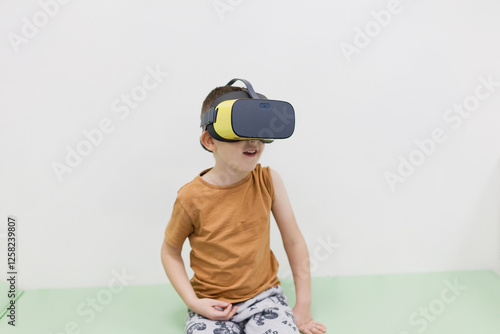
{"x": 209, "y": 117}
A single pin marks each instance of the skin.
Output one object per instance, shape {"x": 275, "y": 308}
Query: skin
{"x": 231, "y": 166}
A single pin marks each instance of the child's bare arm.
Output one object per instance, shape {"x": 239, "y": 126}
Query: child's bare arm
{"x": 298, "y": 256}
{"x": 174, "y": 268}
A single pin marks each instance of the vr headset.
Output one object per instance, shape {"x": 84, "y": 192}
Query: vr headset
{"x": 246, "y": 115}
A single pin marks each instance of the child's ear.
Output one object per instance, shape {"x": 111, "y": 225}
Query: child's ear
{"x": 207, "y": 141}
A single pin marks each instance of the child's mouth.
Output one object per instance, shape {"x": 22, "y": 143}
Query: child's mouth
{"x": 250, "y": 153}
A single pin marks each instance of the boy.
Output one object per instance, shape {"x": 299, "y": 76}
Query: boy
{"x": 225, "y": 213}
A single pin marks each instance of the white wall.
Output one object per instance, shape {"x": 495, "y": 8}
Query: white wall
{"x": 357, "y": 116}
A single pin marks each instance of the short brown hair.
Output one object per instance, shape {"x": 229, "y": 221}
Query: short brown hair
{"x": 216, "y": 93}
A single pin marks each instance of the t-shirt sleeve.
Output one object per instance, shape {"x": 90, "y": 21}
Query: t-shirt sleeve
{"x": 179, "y": 227}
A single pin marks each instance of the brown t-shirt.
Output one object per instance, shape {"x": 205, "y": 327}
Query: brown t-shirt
{"x": 229, "y": 231}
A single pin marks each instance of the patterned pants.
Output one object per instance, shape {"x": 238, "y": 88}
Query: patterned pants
{"x": 267, "y": 313}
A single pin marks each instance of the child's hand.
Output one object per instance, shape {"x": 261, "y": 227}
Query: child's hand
{"x": 305, "y": 322}
{"x": 214, "y": 309}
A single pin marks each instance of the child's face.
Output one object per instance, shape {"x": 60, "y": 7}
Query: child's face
{"x": 241, "y": 156}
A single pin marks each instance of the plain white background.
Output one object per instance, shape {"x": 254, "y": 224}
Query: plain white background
{"x": 359, "y": 116}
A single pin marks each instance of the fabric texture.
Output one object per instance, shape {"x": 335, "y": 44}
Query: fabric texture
{"x": 267, "y": 313}
{"x": 228, "y": 228}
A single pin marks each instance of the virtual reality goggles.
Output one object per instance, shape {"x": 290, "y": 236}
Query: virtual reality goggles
{"x": 246, "y": 115}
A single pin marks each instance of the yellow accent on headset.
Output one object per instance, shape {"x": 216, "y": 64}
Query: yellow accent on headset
{"x": 223, "y": 125}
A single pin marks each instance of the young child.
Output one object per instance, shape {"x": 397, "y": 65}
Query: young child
{"x": 225, "y": 214}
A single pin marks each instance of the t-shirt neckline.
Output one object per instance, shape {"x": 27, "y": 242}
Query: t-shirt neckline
{"x": 230, "y": 186}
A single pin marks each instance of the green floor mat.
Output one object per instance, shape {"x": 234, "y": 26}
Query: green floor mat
{"x": 462, "y": 302}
